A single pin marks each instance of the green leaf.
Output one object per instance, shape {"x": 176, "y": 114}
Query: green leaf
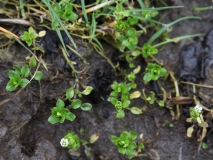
{"x": 52, "y": 120}
{"x": 17, "y": 69}
{"x": 32, "y": 62}
{"x": 136, "y": 53}
{"x": 113, "y": 138}
{"x": 12, "y": 74}
{"x": 140, "y": 145}
{"x": 132, "y": 136}
{"x": 147, "y": 77}
{"x": 126, "y": 103}
{"x": 25, "y": 71}
{"x": 163, "y": 72}
{"x": 114, "y": 94}
{"x": 161, "y": 103}
{"x": 120, "y": 114}
{"x": 135, "y": 94}
{"x": 70, "y": 116}
{"x": 70, "y": 93}
{"x": 24, "y": 82}
{"x": 87, "y": 91}
{"x": 76, "y": 104}
{"x": 204, "y": 145}
{"x": 135, "y": 110}
{"x": 10, "y": 87}
{"x": 114, "y": 101}
{"x": 130, "y": 152}
{"x": 86, "y": 106}
{"x": 60, "y": 103}
{"x": 38, "y": 76}
{"x": 122, "y": 150}
{"x": 131, "y": 32}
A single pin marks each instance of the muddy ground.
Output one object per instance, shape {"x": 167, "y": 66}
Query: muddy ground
{"x": 26, "y": 134}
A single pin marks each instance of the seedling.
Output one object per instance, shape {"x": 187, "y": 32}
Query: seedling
{"x": 30, "y": 36}
{"x": 120, "y": 97}
{"x": 18, "y": 76}
{"x": 126, "y": 143}
{"x": 71, "y": 140}
{"x": 60, "y": 114}
{"x": 153, "y": 72}
{"x": 148, "y": 50}
{"x": 151, "y": 99}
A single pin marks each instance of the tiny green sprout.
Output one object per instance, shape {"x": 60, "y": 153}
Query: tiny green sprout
{"x": 153, "y": 72}
{"x": 151, "y": 98}
{"x": 204, "y": 145}
{"x": 148, "y": 50}
{"x": 119, "y": 106}
{"x": 29, "y": 37}
{"x": 125, "y": 143}
{"x": 60, "y": 114}
{"x": 65, "y": 11}
{"x": 71, "y": 140}
{"x": 196, "y": 112}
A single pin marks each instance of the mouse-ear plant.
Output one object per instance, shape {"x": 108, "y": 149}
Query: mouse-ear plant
{"x": 60, "y": 113}
{"x": 126, "y": 143}
{"x": 153, "y": 72}
{"x": 71, "y": 140}
{"x": 19, "y": 76}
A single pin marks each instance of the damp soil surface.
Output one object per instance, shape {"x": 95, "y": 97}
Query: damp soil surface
{"x": 26, "y": 134}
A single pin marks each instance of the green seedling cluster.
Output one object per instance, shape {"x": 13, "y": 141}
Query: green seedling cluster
{"x": 71, "y": 140}
{"x": 59, "y": 113}
{"x": 120, "y": 97}
{"x": 19, "y": 76}
{"x": 126, "y": 143}
{"x": 30, "y": 36}
{"x": 64, "y": 10}
{"x": 153, "y": 72}
{"x": 151, "y": 99}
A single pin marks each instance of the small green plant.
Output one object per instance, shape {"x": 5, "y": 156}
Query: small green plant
{"x": 126, "y": 143}
{"x": 18, "y": 76}
{"x": 151, "y": 99}
{"x": 77, "y": 103}
{"x": 71, "y": 140}
{"x": 64, "y": 10}
{"x": 148, "y": 50}
{"x": 195, "y": 113}
{"x": 60, "y": 114}
{"x": 125, "y": 33}
{"x": 30, "y": 36}
{"x": 153, "y": 72}
{"x": 120, "y": 97}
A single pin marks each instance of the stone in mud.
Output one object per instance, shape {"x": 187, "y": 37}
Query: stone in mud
{"x": 45, "y": 150}
{"x": 3, "y": 130}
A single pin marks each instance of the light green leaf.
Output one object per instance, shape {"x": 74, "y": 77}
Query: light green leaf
{"x": 136, "y": 110}
{"x": 25, "y": 71}
{"x": 70, "y": 93}
{"x": 86, "y": 106}
{"x": 76, "y": 104}
{"x": 24, "y": 82}
{"x": 38, "y": 76}
{"x": 70, "y": 116}
{"x": 32, "y": 62}
{"x": 60, "y": 103}
{"x": 135, "y": 94}
{"x": 87, "y": 91}
{"x": 132, "y": 136}
{"x": 120, "y": 114}
{"x": 52, "y": 120}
